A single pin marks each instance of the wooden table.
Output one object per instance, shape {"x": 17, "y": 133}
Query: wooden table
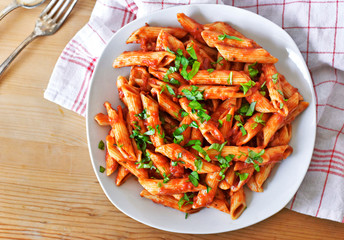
{"x": 48, "y": 189}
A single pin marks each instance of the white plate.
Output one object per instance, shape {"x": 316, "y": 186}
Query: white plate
{"x": 285, "y": 178}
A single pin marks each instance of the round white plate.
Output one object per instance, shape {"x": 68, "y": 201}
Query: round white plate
{"x": 285, "y": 178}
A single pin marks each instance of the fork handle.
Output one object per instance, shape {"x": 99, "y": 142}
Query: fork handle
{"x": 8, "y": 9}
{"x": 13, "y": 55}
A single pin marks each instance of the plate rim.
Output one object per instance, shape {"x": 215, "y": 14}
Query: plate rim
{"x": 183, "y": 8}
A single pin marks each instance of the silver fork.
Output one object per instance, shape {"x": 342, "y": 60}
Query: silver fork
{"x": 48, "y": 22}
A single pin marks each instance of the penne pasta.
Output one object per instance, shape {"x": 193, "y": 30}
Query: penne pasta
{"x": 173, "y": 186}
{"x": 248, "y": 55}
{"x": 149, "y": 59}
{"x": 238, "y": 203}
{"x": 152, "y": 33}
{"x": 221, "y": 77}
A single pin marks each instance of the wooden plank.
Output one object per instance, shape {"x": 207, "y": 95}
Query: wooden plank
{"x": 47, "y": 185}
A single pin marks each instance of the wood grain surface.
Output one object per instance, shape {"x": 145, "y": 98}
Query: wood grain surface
{"x": 48, "y": 189}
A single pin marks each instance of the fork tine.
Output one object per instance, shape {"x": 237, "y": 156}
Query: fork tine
{"x": 55, "y": 8}
{"x": 65, "y": 5}
{"x": 67, "y": 13}
{"x": 47, "y": 8}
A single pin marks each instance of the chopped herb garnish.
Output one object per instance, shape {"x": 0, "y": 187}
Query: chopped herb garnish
{"x": 170, "y": 90}
{"x": 222, "y": 37}
{"x": 160, "y": 131}
{"x": 254, "y": 125}
{"x": 179, "y": 155}
{"x": 193, "y": 177}
{"x": 246, "y": 86}
{"x": 281, "y": 105}
{"x": 202, "y": 151}
{"x": 198, "y": 164}
{"x": 208, "y": 189}
{"x": 203, "y": 115}
{"x": 274, "y": 78}
{"x": 185, "y": 199}
{"x": 262, "y": 92}
{"x": 142, "y": 115}
{"x": 259, "y": 119}
{"x": 251, "y": 109}
{"x": 159, "y": 184}
{"x": 166, "y": 178}
{"x": 218, "y": 61}
{"x": 194, "y": 70}
{"x": 194, "y": 94}
{"x": 101, "y": 145}
{"x": 218, "y": 147}
{"x": 242, "y": 176}
{"x": 180, "y": 130}
{"x": 183, "y": 113}
{"x": 186, "y": 215}
{"x": 230, "y": 78}
{"x": 220, "y": 123}
{"x": 192, "y": 52}
{"x": 101, "y": 169}
{"x": 252, "y": 71}
{"x": 163, "y": 88}
{"x": 263, "y": 85}
{"x": 253, "y": 157}
{"x": 240, "y": 124}
{"x": 174, "y": 81}
{"x": 151, "y": 131}
{"x": 210, "y": 70}
{"x": 229, "y": 117}
{"x": 193, "y": 142}
{"x": 193, "y": 124}
{"x": 244, "y": 108}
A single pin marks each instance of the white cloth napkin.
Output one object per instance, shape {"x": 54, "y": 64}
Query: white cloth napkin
{"x": 317, "y": 27}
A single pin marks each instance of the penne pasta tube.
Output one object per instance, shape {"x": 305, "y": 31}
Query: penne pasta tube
{"x": 167, "y": 105}
{"x": 238, "y": 203}
{"x": 149, "y": 59}
{"x": 168, "y": 201}
{"x": 166, "y": 42}
{"x": 253, "y": 186}
{"x": 273, "y": 154}
{"x": 282, "y": 137}
{"x": 208, "y": 128}
{"x": 221, "y": 63}
{"x": 223, "y": 108}
{"x": 173, "y": 186}
{"x": 240, "y": 184}
{"x": 246, "y": 55}
{"x": 212, "y": 52}
{"x": 122, "y": 175}
{"x": 220, "y": 202}
{"x": 121, "y": 81}
{"x": 130, "y": 165}
{"x": 224, "y": 28}
{"x": 102, "y": 119}
{"x": 152, "y": 120}
{"x": 111, "y": 164}
{"x": 275, "y": 89}
{"x": 191, "y": 26}
{"x": 218, "y": 92}
{"x": 229, "y": 178}
{"x": 120, "y": 132}
{"x": 187, "y": 133}
{"x": 185, "y": 158}
{"x": 151, "y": 33}
{"x": 221, "y": 77}
{"x": 134, "y": 105}
{"x": 298, "y": 110}
{"x": 288, "y": 89}
{"x": 213, "y": 37}
{"x": 161, "y": 72}
{"x": 160, "y": 162}
{"x": 252, "y": 127}
{"x": 263, "y": 105}
{"x": 139, "y": 77}
{"x": 205, "y": 197}
{"x": 261, "y": 176}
